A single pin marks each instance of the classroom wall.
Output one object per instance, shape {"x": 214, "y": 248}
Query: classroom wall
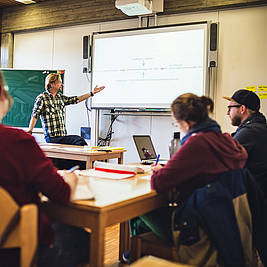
{"x": 242, "y": 61}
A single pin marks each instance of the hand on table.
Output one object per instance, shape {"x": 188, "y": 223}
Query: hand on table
{"x": 156, "y": 168}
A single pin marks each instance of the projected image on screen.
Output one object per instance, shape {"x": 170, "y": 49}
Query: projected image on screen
{"x": 149, "y": 68}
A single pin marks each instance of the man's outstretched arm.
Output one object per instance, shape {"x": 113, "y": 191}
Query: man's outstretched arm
{"x": 95, "y": 91}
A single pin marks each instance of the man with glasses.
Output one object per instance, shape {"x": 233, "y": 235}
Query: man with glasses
{"x": 243, "y": 111}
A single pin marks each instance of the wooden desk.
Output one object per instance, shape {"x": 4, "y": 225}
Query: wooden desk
{"x": 115, "y": 202}
{"x": 80, "y": 153}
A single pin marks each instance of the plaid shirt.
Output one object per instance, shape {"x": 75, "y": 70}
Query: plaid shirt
{"x": 52, "y": 112}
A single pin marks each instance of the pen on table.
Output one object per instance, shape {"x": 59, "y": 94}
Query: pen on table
{"x": 72, "y": 169}
{"x": 104, "y": 150}
{"x": 157, "y": 159}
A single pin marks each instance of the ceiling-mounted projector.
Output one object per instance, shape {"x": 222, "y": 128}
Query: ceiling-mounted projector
{"x": 139, "y": 7}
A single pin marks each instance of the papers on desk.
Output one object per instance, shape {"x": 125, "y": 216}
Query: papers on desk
{"x": 105, "y": 175}
{"x": 110, "y": 171}
{"x": 83, "y": 192}
{"x": 121, "y": 168}
{"x": 115, "y": 168}
{"x": 79, "y": 148}
{"x": 142, "y": 168}
{"x": 107, "y": 148}
{"x": 113, "y": 171}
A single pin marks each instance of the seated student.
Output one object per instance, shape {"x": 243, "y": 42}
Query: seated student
{"x": 243, "y": 111}
{"x": 204, "y": 154}
{"x": 26, "y": 171}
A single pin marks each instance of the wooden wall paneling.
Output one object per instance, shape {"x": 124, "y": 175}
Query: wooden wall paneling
{"x": 5, "y": 3}
{"x": 7, "y": 46}
{"x": 58, "y": 13}
{"x": 179, "y": 6}
{"x": 233, "y": 3}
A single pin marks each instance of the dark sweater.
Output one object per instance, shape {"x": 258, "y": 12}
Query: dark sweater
{"x": 199, "y": 161}
{"x": 252, "y": 134}
{"x": 26, "y": 171}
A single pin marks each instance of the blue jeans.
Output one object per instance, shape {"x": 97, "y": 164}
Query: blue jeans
{"x": 70, "y": 248}
{"x": 68, "y": 140}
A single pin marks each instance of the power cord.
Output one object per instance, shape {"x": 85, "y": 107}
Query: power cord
{"x": 101, "y": 141}
{"x": 106, "y": 141}
{"x": 88, "y": 105}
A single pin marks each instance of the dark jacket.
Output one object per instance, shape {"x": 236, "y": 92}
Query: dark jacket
{"x": 252, "y": 134}
{"x": 205, "y": 154}
{"x": 232, "y": 212}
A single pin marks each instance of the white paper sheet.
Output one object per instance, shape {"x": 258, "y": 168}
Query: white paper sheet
{"x": 83, "y": 192}
{"x": 105, "y": 175}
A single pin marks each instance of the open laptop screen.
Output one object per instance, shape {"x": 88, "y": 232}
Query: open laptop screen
{"x": 144, "y": 147}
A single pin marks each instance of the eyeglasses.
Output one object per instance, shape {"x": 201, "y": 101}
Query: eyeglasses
{"x": 233, "y": 106}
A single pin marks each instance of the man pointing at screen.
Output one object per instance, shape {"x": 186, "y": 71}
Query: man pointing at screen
{"x": 50, "y": 107}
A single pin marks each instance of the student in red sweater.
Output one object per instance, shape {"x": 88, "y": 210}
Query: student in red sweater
{"x": 205, "y": 151}
{"x": 204, "y": 154}
{"x": 26, "y": 171}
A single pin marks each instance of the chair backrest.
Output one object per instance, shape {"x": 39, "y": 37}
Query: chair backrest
{"x": 19, "y": 228}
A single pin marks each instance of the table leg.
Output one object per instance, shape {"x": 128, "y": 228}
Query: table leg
{"x": 120, "y": 159}
{"x": 124, "y": 238}
{"x": 97, "y": 246}
{"x": 89, "y": 164}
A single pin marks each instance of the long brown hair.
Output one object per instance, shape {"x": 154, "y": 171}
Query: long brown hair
{"x": 51, "y": 78}
{"x": 192, "y": 108}
{"x": 5, "y": 92}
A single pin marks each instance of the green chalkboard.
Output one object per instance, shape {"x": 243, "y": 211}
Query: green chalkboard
{"x": 24, "y": 86}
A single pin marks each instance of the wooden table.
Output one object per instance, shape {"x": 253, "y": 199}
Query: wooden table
{"x": 116, "y": 201}
{"x": 80, "y": 153}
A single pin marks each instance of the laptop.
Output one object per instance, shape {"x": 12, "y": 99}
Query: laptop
{"x": 146, "y": 150}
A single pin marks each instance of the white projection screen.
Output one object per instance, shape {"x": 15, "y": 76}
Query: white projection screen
{"x": 149, "y": 68}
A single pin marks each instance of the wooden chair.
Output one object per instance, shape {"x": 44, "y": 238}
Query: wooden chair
{"x": 18, "y": 228}
{"x": 150, "y": 244}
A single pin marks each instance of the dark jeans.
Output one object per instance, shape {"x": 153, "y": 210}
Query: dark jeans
{"x": 10, "y": 257}
{"x": 71, "y": 247}
{"x": 68, "y": 140}
{"x": 157, "y": 221}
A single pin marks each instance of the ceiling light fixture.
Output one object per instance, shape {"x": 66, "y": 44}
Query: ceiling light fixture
{"x": 26, "y": 2}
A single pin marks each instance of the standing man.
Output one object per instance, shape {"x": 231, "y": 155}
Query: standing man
{"x": 50, "y": 106}
{"x": 243, "y": 111}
